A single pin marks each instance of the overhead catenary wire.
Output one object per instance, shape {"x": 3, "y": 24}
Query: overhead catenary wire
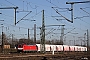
{"x": 84, "y": 11}
{"x": 63, "y": 16}
{"x": 10, "y": 2}
{"x": 14, "y": 29}
{"x": 58, "y": 12}
{"x": 53, "y": 4}
{"x": 16, "y": 5}
{"x": 13, "y": 4}
{"x": 15, "y": 26}
{"x": 10, "y": 16}
{"x": 70, "y": 25}
{"x": 80, "y": 18}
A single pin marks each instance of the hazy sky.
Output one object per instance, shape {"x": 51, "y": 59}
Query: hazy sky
{"x": 79, "y": 25}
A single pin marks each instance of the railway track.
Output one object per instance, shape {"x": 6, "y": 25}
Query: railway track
{"x": 47, "y": 56}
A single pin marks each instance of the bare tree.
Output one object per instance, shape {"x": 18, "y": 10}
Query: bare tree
{"x": 25, "y": 41}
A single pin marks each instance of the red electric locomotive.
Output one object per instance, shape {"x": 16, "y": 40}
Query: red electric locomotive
{"x": 27, "y": 48}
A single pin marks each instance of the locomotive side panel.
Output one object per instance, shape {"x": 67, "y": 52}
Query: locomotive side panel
{"x": 29, "y": 48}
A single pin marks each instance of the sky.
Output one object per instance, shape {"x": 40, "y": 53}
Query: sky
{"x": 80, "y": 23}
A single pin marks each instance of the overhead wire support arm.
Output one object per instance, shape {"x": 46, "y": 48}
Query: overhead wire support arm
{"x": 63, "y": 16}
{"x": 53, "y": 25}
{"x": 77, "y": 2}
{"x": 8, "y": 7}
{"x": 60, "y": 8}
{"x": 11, "y": 8}
{"x": 72, "y": 3}
{"x": 22, "y": 18}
